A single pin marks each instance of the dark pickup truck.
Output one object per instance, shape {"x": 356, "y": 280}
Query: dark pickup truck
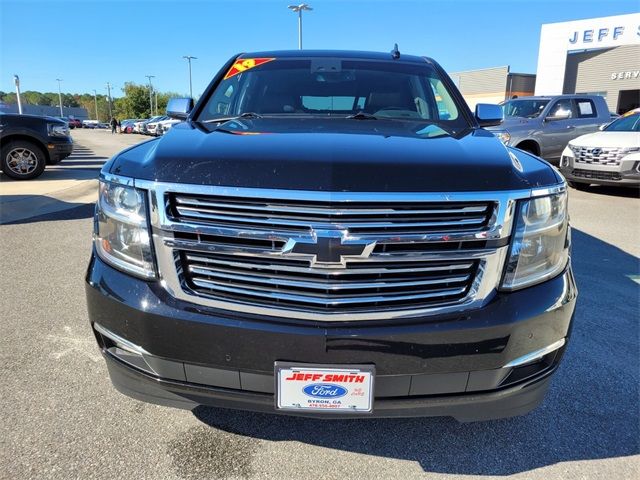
{"x": 332, "y": 234}
{"x": 30, "y": 142}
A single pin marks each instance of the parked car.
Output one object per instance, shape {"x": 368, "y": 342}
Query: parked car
{"x": 152, "y": 126}
{"x": 30, "y": 142}
{"x": 74, "y": 123}
{"x": 332, "y": 234}
{"x": 165, "y": 125}
{"x": 545, "y": 125}
{"x": 89, "y": 123}
{"x": 143, "y": 126}
{"x": 608, "y": 157}
{"x": 126, "y": 126}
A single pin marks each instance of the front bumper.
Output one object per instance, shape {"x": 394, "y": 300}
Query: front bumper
{"x": 191, "y": 355}
{"x": 627, "y": 173}
{"x": 58, "y": 151}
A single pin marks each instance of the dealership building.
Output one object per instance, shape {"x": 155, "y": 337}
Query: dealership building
{"x": 594, "y": 56}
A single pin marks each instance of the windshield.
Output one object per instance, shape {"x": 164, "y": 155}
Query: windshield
{"x": 334, "y": 88}
{"x": 630, "y": 123}
{"x": 524, "y": 108}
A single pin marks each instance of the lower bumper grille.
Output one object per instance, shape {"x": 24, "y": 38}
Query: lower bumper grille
{"x": 360, "y": 287}
{"x": 596, "y": 175}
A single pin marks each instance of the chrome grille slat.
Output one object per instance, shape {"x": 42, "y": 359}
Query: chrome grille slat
{"x": 321, "y": 211}
{"x": 336, "y": 272}
{"x": 318, "y": 285}
{"x": 305, "y": 224}
{"x": 323, "y": 300}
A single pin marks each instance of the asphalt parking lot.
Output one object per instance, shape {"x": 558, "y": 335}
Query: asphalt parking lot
{"x": 62, "y": 419}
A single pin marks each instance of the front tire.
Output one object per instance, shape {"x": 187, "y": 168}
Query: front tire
{"x": 22, "y": 160}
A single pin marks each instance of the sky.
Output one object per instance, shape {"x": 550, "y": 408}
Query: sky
{"x": 91, "y": 42}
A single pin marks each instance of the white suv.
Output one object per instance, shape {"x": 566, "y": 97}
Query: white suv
{"x": 608, "y": 157}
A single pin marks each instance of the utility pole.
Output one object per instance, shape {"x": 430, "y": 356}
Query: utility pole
{"x": 16, "y": 80}
{"x": 150, "y": 94}
{"x": 109, "y": 99}
{"x": 298, "y": 9}
{"x": 95, "y": 98}
{"x": 189, "y": 58}
{"x": 156, "y": 93}
{"x": 60, "y": 96}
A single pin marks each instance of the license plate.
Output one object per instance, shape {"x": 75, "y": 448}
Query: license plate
{"x": 324, "y": 388}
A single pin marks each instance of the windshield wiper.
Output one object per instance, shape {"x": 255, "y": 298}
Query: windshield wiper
{"x": 228, "y": 119}
{"x": 362, "y": 116}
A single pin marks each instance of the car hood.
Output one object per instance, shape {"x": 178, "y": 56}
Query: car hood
{"x": 332, "y": 155}
{"x": 608, "y": 140}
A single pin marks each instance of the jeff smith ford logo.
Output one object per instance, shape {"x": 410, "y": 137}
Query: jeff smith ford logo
{"x": 324, "y": 390}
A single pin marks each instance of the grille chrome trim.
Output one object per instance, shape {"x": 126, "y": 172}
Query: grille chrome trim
{"x": 482, "y": 288}
{"x": 611, "y": 156}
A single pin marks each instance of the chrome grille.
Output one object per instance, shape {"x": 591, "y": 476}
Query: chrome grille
{"x": 599, "y": 156}
{"x": 362, "y": 218}
{"x": 363, "y": 285}
{"x": 423, "y": 253}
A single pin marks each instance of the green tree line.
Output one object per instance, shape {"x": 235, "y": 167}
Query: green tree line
{"x": 133, "y": 104}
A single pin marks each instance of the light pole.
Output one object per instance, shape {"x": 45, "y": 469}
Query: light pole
{"x": 298, "y": 9}
{"x": 150, "y": 94}
{"x": 60, "y": 96}
{"x": 16, "y": 80}
{"x": 95, "y": 98}
{"x": 189, "y": 58}
{"x": 109, "y": 98}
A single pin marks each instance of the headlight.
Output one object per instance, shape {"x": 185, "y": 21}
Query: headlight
{"x": 540, "y": 244}
{"x": 503, "y": 135}
{"x": 57, "y": 130}
{"x": 121, "y": 233}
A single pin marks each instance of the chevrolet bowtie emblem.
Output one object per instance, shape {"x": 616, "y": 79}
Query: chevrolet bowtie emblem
{"x": 328, "y": 248}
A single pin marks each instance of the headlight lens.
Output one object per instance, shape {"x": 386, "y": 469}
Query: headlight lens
{"x": 503, "y": 135}
{"x": 57, "y": 130}
{"x": 540, "y": 244}
{"x": 121, "y": 234}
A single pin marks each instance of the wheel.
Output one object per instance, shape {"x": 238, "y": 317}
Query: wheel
{"x": 579, "y": 186}
{"x": 22, "y": 160}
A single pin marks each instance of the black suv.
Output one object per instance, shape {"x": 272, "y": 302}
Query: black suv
{"x": 30, "y": 142}
{"x": 332, "y": 234}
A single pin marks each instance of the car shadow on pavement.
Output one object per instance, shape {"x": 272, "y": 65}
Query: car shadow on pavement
{"x": 591, "y": 410}
{"x": 62, "y": 211}
{"x": 628, "y": 192}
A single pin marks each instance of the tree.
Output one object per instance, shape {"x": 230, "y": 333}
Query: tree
{"x": 135, "y": 103}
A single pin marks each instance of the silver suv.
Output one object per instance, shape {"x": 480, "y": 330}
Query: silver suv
{"x": 545, "y": 125}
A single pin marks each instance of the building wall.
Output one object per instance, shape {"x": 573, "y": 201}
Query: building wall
{"x": 604, "y": 71}
{"x": 520, "y": 84}
{"x": 487, "y": 85}
{"x": 556, "y": 39}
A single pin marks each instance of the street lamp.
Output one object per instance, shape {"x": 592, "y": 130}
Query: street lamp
{"x": 16, "y": 81}
{"x": 95, "y": 98}
{"x": 150, "y": 94}
{"x": 109, "y": 92}
{"x": 189, "y": 58}
{"x": 299, "y": 9}
{"x": 60, "y": 96}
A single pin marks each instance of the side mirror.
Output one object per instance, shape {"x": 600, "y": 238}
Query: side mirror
{"x": 179, "y": 108}
{"x": 559, "y": 115}
{"x": 488, "y": 115}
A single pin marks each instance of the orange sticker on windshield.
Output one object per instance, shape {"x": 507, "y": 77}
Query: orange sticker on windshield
{"x": 244, "y": 64}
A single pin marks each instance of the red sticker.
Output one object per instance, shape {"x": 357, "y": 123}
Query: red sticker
{"x": 245, "y": 64}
